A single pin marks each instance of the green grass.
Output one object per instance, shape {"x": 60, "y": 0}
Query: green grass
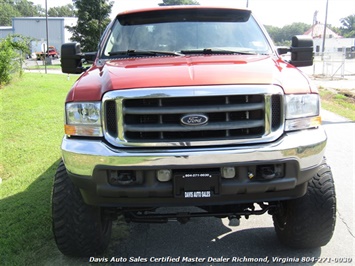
{"x": 42, "y": 67}
{"x": 31, "y": 129}
{"x": 31, "y": 118}
{"x": 339, "y": 103}
{"x": 32, "y": 122}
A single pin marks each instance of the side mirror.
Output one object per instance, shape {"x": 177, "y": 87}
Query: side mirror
{"x": 282, "y": 50}
{"x": 71, "y": 58}
{"x": 90, "y": 57}
{"x": 301, "y": 51}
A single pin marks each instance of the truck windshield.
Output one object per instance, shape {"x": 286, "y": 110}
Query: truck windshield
{"x": 175, "y": 34}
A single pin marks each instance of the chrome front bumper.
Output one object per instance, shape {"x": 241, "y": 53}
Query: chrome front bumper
{"x": 306, "y": 147}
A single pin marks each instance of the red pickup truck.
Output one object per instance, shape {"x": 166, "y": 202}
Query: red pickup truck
{"x": 191, "y": 106}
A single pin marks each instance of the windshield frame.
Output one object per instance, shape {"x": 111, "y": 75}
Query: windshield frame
{"x": 159, "y": 16}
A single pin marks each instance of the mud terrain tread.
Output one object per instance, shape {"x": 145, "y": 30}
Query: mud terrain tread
{"x": 77, "y": 227}
{"x": 309, "y": 221}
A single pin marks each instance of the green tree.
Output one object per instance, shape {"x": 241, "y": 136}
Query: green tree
{"x": 283, "y": 36}
{"x": 335, "y": 29}
{"x": 274, "y": 32}
{"x": 28, "y": 9}
{"x": 62, "y": 11}
{"x": 12, "y": 51}
{"x": 93, "y": 18}
{"x": 178, "y": 2}
{"x": 18, "y": 8}
{"x": 7, "y": 12}
{"x": 348, "y": 28}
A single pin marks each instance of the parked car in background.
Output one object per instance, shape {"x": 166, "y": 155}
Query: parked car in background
{"x": 51, "y": 52}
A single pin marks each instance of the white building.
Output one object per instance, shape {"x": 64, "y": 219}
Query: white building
{"x": 334, "y": 43}
{"x": 4, "y": 31}
{"x": 35, "y": 28}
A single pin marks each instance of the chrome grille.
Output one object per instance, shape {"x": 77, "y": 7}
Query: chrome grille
{"x": 144, "y": 118}
{"x": 160, "y": 119}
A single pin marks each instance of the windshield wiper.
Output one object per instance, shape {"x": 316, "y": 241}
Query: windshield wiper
{"x": 143, "y": 53}
{"x": 217, "y": 51}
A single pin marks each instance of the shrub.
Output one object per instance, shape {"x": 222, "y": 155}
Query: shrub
{"x": 12, "y": 50}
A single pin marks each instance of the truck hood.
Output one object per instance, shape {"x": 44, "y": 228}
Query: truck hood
{"x": 178, "y": 71}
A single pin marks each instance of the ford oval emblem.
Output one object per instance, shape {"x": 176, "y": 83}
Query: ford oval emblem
{"x": 194, "y": 120}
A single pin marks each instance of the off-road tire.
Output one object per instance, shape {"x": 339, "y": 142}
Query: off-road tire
{"x": 309, "y": 221}
{"x": 79, "y": 229}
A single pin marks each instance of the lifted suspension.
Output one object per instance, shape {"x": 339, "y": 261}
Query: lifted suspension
{"x": 145, "y": 216}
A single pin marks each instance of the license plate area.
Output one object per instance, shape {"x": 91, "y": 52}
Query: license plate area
{"x": 196, "y": 184}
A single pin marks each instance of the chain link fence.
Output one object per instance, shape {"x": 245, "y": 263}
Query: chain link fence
{"x": 334, "y": 65}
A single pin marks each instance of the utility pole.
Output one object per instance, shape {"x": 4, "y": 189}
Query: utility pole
{"x": 45, "y": 52}
{"x": 325, "y": 29}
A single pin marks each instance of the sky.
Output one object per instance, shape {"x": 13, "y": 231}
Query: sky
{"x": 269, "y": 12}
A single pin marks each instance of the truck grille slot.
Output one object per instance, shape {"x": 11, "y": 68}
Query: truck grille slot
{"x": 111, "y": 118}
{"x": 159, "y": 119}
{"x": 276, "y": 111}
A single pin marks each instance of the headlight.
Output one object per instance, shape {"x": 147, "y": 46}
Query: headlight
{"x": 302, "y": 111}
{"x": 83, "y": 119}
{"x": 302, "y": 105}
